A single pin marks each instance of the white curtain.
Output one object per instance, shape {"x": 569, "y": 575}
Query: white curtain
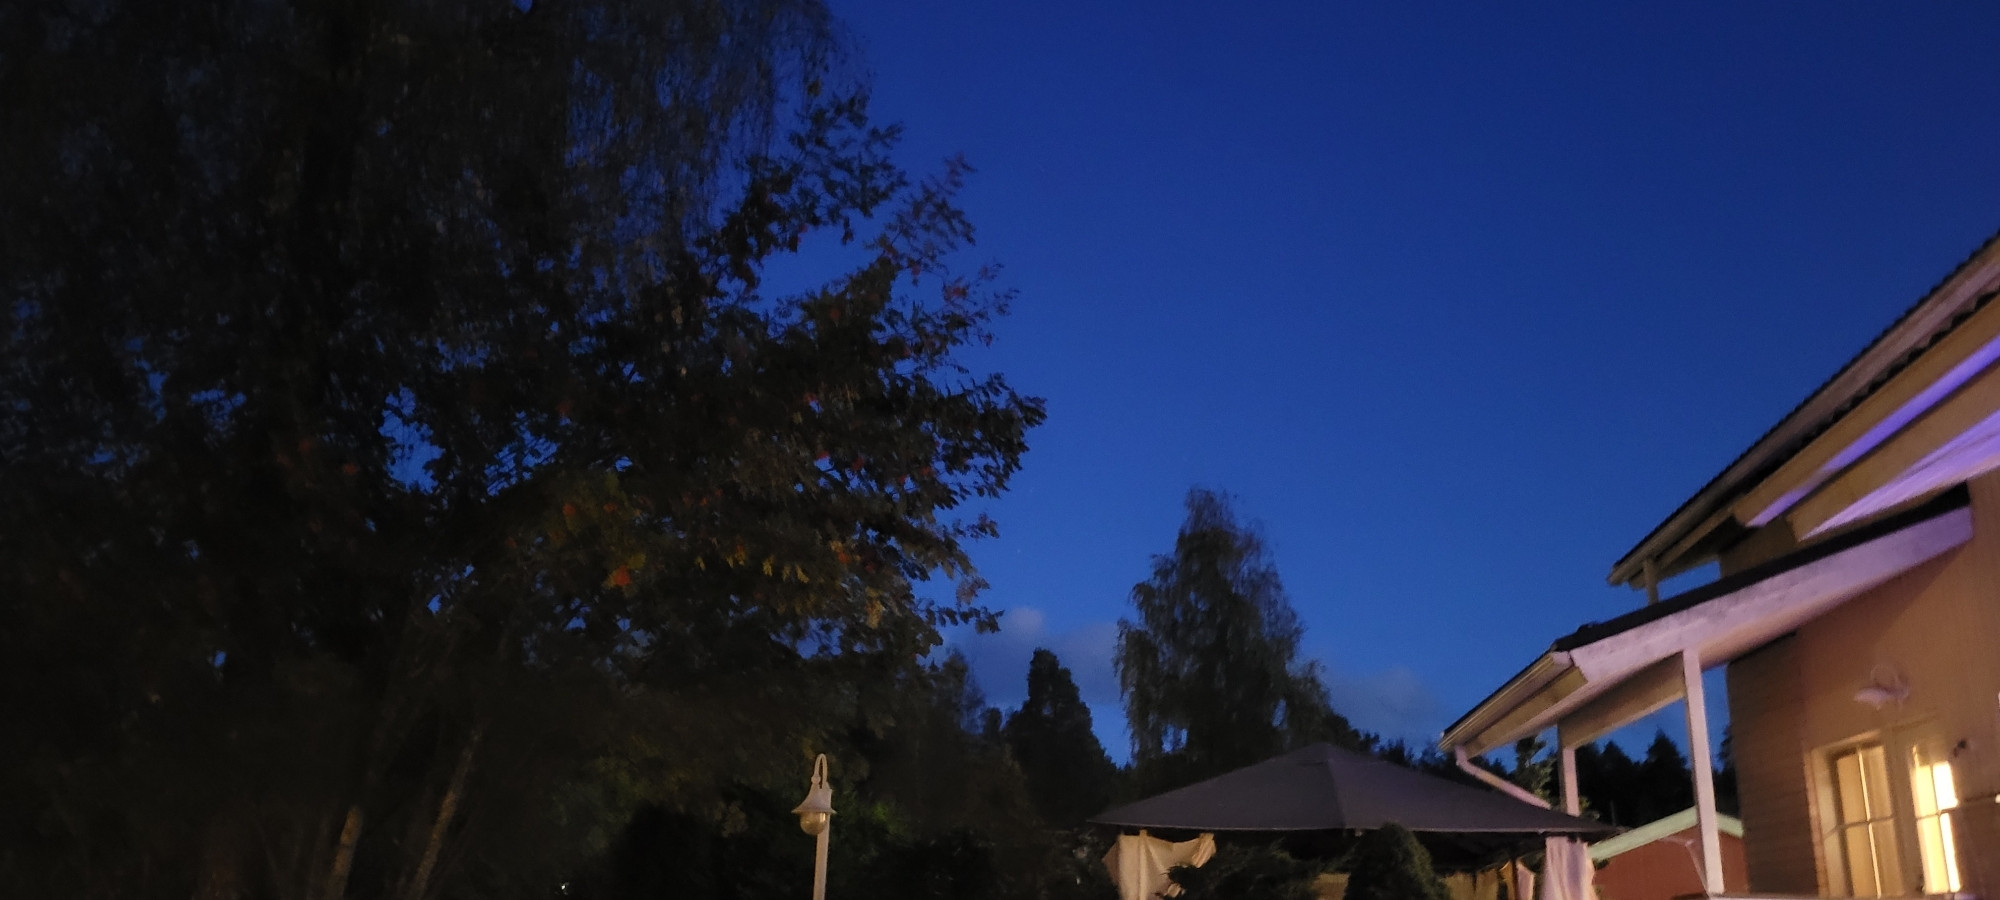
{"x": 1139, "y": 863}
{"x": 1566, "y": 871}
{"x": 1524, "y": 881}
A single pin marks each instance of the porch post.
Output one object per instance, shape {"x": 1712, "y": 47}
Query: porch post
{"x": 1704, "y": 772}
{"x": 1572, "y": 800}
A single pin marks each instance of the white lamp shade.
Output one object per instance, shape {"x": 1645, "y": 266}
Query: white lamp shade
{"x": 817, "y": 809}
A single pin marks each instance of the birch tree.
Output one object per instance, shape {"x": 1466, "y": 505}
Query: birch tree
{"x": 402, "y": 444}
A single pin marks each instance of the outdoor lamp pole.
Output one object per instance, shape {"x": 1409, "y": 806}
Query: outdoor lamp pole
{"x": 816, "y": 818}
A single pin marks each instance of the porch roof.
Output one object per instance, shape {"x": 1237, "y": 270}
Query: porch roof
{"x": 1607, "y": 674}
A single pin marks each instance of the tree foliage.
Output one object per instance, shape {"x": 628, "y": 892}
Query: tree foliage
{"x": 928, "y": 805}
{"x": 1534, "y": 768}
{"x": 1209, "y": 668}
{"x": 1629, "y": 792}
{"x": 408, "y": 475}
{"x": 927, "y": 753}
{"x": 1389, "y": 864}
{"x": 1069, "y": 776}
{"x": 1247, "y": 872}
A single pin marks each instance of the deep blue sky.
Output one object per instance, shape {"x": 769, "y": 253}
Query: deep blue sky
{"x": 1459, "y": 300}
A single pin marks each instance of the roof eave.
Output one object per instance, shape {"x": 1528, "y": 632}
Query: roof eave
{"x": 1933, "y": 316}
{"x": 1509, "y": 697}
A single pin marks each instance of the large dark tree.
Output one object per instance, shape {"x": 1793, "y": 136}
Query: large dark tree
{"x": 1665, "y": 779}
{"x": 1609, "y": 781}
{"x": 1210, "y": 669}
{"x": 1728, "y": 799}
{"x": 1069, "y": 775}
{"x": 929, "y": 806}
{"x": 405, "y": 471}
{"x": 1628, "y": 792}
{"x": 930, "y": 757}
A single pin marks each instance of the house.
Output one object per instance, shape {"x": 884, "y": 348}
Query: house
{"x": 1856, "y": 615}
{"x": 1661, "y": 859}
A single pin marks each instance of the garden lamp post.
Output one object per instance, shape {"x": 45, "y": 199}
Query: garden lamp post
{"x": 816, "y": 818}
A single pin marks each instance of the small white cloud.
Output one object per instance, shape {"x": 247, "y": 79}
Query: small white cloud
{"x": 1000, "y": 662}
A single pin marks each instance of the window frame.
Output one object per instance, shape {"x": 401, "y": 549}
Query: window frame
{"x": 1899, "y": 748}
{"x": 1947, "y": 817}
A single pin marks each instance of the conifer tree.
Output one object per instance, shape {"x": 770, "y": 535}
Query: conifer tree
{"x": 1069, "y": 775}
{"x": 1665, "y": 778}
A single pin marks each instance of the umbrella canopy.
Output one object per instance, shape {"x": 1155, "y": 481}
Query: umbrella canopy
{"x": 1325, "y": 788}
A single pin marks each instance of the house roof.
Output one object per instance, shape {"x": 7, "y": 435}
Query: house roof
{"x": 1607, "y": 674}
{"x": 1702, "y": 526}
{"x": 1596, "y": 631}
{"x": 1326, "y": 788}
{"x": 1665, "y": 826}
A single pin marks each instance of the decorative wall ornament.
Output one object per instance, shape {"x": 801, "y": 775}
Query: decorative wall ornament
{"x": 1885, "y": 685}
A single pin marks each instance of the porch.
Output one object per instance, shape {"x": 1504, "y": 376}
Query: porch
{"x": 1607, "y": 675}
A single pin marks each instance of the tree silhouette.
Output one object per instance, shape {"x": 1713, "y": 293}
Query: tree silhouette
{"x": 1389, "y": 864}
{"x": 1209, "y": 669}
{"x": 407, "y": 468}
{"x": 1247, "y": 872}
{"x": 1665, "y": 780}
{"x": 1069, "y": 775}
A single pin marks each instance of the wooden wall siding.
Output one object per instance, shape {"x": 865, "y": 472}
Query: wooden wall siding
{"x": 1978, "y": 835}
{"x": 1766, "y": 723}
{"x": 1935, "y": 628}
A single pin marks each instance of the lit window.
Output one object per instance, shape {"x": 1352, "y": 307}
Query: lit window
{"x": 1862, "y": 843}
{"x": 1936, "y": 799}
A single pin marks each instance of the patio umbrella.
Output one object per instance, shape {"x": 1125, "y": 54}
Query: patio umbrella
{"x": 1325, "y": 788}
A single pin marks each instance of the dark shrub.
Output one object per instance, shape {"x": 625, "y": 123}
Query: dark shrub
{"x": 1389, "y": 864}
{"x": 1247, "y": 873}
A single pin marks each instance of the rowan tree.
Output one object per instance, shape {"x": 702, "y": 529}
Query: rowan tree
{"x": 408, "y": 471}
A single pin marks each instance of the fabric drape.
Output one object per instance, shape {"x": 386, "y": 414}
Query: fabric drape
{"x": 1139, "y": 863}
{"x": 1566, "y": 871}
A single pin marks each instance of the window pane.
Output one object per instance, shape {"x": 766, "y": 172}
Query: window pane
{"x": 1930, "y": 843}
{"x": 1847, "y": 785}
{"x": 1932, "y": 788}
{"x": 1888, "y": 862}
{"x": 1836, "y": 867}
{"x": 1950, "y": 853}
{"x": 1946, "y": 791}
{"x": 1875, "y": 775}
{"x": 1923, "y": 788}
{"x": 1860, "y": 862}
{"x": 1863, "y": 840}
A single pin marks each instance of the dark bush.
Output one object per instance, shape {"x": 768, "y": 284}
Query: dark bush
{"x": 955, "y": 865}
{"x": 1247, "y": 873}
{"x": 1389, "y": 864}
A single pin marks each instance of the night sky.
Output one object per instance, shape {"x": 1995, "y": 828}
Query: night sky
{"x": 1458, "y": 300}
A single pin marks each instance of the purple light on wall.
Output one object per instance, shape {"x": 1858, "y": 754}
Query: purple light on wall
{"x": 1894, "y": 422}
